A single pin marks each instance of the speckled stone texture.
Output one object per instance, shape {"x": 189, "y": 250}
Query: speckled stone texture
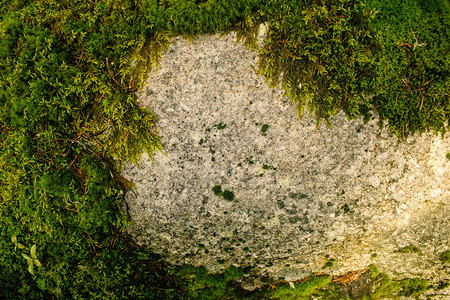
{"x": 302, "y": 195}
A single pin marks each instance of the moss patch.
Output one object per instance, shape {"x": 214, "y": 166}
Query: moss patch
{"x": 445, "y": 256}
{"x": 329, "y": 263}
{"x": 301, "y": 289}
{"x": 408, "y": 249}
{"x": 264, "y": 129}
{"x": 221, "y": 126}
{"x": 226, "y": 194}
{"x": 217, "y": 189}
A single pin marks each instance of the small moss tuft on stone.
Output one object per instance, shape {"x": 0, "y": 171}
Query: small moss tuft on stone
{"x": 217, "y": 189}
{"x": 221, "y": 126}
{"x": 264, "y": 128}
{"x": 228, "y": 195}
{"x": 408, "y": 249}
{"x": 445, "y": 256}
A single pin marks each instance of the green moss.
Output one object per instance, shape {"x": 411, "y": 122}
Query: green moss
{"x": 217, "y": 189}
{"x": 346, "y": 208}
{"x": 448, "y": 155}
{"x": 413, "y": 34}
{"x": 442, "y": 285}
{"x": 329, "y": 263}
{"x": 379, "y": 286}
{"x": 413, "y": 286}
{"x": 373, "y": 271}
{"x": 70, "y": 72}
{"x": 445, "y": 256}
{"x": 383, "y": 286}
{"x": 303, "y": 289}
{"x": 228, "y": 195}
{"x": 267, "y": 167}
{"x": 386, "y": 287}
{"x": 221, "y": 126}
{"x": 264, "y": 129}
{"x": 233, "y": 273}
{"x": 216, "y": 286}
{"x": 374, "y": 255}
{"x": 408, "y": 249}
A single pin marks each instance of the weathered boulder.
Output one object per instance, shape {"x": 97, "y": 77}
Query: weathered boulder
{"x": 304, "y": 199}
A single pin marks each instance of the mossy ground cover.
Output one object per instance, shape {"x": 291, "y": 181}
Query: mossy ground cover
{"x": 364, "y": 284}
{"x": 69, "y": 118}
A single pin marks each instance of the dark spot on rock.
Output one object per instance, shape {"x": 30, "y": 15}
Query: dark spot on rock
{"x": 298, "y": 195}
{"x": 294, "y": 219}
{"x": 345, "y": 208}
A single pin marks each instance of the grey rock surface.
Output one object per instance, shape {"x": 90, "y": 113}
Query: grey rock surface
{"x": 302, "y": 196}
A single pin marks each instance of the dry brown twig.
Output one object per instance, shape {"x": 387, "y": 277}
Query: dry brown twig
{"x": 349, "y": 277}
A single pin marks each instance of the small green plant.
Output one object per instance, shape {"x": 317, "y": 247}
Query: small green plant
{"x": 32, "y": 259}
{"x": 16, "y": 244}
